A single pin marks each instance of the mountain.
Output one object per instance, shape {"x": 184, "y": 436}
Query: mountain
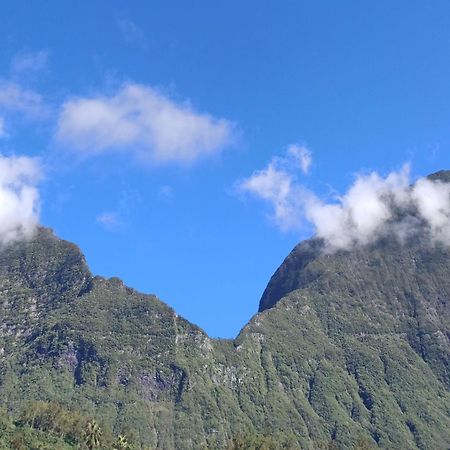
{"x": 346, "y": 346}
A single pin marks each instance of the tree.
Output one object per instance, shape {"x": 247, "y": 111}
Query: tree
{"x": 121, "y": 443}
{"x": 93, "y": 434}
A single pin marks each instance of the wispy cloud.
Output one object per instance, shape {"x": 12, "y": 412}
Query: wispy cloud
{"x": 18, "y": 101}
{"x": 3, "y": 133}
{"x": 165, "y": 192}
{"x": 15, "y": 98}
{"x": 110, "y": 221}
{"x": 131, "y": 32}
{"x": 19, "y": 197}
{"x": 141, "y": 121}
{"x": 117, "y": 219}
{"x": 29, "y": 61}
{"x": 277, "y": 184}
{"x": 303, "y": 155}
{"x": 373, "y": 206}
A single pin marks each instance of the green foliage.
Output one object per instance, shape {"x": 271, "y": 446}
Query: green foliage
{"x": 255, "y": 441}
{"x": 48, "y": 425}
{"x": 350, "y": 350}
{"x": 93, "y": 435}
{"x": 54, "y": 418}
{"x": 121, "y": 443}
{"x": 23, "y": 437}
{"x": 364, "y": 444}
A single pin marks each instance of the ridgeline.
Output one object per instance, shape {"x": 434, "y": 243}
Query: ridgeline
{"x": 347, "y": 347}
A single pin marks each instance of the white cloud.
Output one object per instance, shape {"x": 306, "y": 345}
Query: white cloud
{"x": 14, "y": 98}
{"x": 373, "y": 206}
{"x": 141, "y": 121}
{"x": 2, "y": 128}
{"x": 303, "y": 155}
{"x": 433, "y": 202}
{"x": 361, "y": 214}
{"x": 277, "y": 184}
{"x": 277, "y": 187}
{"x": 19, "y": 198}
{"x": 29, "y": 61}
{"x": 111, "y": 221}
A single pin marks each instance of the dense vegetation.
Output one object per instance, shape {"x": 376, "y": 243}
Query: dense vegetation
{"x": 349, "y": 350}
{"x": 47, "y": 425}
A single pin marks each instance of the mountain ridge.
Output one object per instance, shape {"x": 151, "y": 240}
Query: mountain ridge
{"x": 346, "y": 345}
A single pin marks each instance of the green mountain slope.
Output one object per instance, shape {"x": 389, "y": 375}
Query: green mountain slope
{"x": 346, "y": 346}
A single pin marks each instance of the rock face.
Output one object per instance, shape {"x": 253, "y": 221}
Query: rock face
{"x": 348, "y": 345}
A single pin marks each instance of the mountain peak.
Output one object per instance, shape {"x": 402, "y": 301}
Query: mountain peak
{"x": 358, "y": 347}
{"x": 53, "y": 268}
{"x": 441, "y": 175}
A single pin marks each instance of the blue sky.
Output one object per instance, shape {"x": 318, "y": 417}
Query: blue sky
{"x": 149, "y": 118}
